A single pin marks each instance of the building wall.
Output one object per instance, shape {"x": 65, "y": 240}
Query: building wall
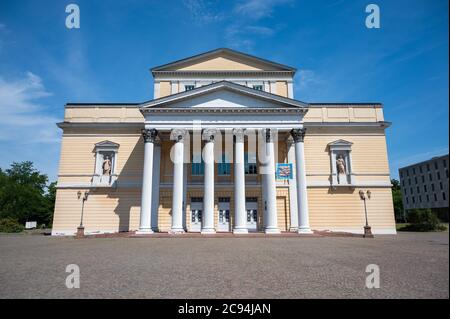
{"x": 425, "y": 184}
{"x": 117, "y": 209}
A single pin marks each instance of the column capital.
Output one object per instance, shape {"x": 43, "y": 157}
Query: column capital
{"x": 298, "y": 134}
{"x": 178, "y": 134}
{"x": 269, "y": 135}
{"x": 239, "y": 133}
{"x": 208, "y": 134}
{"x": 149, "y": 135}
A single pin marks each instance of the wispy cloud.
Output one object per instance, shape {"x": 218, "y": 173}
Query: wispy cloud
{"x": 20, "y": 109}
{"x": 203, "y": 11}
{"x": 257, "y": 9}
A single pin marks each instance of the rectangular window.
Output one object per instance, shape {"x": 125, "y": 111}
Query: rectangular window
{"x": 428, "y": 167}
{"x": 425, "y": 188}
{"x": 423, "y": 179}
{"x": 414, "y": 171}
{"x": 224, "y": 168}
{"x": 420, "y": 169}
{"x": 430, "y": 177}
{"x": 420, "y": 199}
{"x": 415, "y": 179}
{"x": 443, "y": 196}
{"x": 197, "y": 166}
{"x": 189, "y": 87}
{"x": 441, "y": 186}
{"x": 407, "y": 201}
{"x": 444, "y": 162}
{"x": 418, "y": 190}
{"x": 428, "y": 198}
{"x": 432, "y": 187}
{"x": 414, "y": 200}
{"x": 411, "y": 191}
{"x": 436, "y": 165}
{"x": 435, "y": 197}
{"x": 258, "y": 87}
{"x": 250, "y": 164}
{"x": 438, "y": 175}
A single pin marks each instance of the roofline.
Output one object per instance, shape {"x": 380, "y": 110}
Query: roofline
{"x": 289, "y": 68}
{"x": 102, "y": 104}
{"x": 231, "y": 84}
{"x": 423, "y": 162}
{"x": 344, "y": 103}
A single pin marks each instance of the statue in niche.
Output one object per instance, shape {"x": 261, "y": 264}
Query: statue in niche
{"x": 340, "y": 163}
{"x": 107, "y": 165}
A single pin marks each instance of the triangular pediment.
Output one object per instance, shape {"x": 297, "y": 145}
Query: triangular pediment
{"x": 104, "y": 144}
{"x": 221, "y": 95}
{"x": 340, "y": 143}
{"x": 223, "y": 60}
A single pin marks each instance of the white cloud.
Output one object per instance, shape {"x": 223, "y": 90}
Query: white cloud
{"x": 203, "y": 11}
{"x": 19, "y": 110}
{"x": 307, "y": 78}
{"x": 257, "y": 9}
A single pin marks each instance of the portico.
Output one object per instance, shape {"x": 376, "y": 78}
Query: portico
{"x": 230, "y": 118}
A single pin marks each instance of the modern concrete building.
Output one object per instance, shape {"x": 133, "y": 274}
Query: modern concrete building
{"x": 223, "y": 147}
{"x": 425, "y": 184}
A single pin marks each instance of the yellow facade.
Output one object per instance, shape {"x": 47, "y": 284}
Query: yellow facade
{"x": 117, "y": 208}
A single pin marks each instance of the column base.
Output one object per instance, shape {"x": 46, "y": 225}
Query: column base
{"x": 304, "y": 230}
{"x": 272, "y": 231}
{"x": 208, "y": 231}
{"x": 177, "y": 231}
{"x": 240, "y": 231}
{"x": 293, "y": 229}
{"x": 144, "y": 231}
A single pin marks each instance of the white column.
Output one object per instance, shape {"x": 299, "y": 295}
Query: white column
{"x": 292, "y": 187}
{"x": 240, "y": 213}
{"x": 145, "y": 225}
{"x": 208, "y": 195}
{"x": 177, "y": 194}
{"x": 300, "y": 170}
{"x": 155, "y": 187}
{"x": 271, "y": 220}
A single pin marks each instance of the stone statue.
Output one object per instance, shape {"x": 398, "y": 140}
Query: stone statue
{"x": 106, "y": 166}
{"x": 340, "y": 163}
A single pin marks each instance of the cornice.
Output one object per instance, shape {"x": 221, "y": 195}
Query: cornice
{"x": 225, "y": 110}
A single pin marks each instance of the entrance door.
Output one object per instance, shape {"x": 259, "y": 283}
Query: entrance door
{"x": 252, "y": 213}
{"x": 196, "y": 214}
{"x": 224, "y": 214}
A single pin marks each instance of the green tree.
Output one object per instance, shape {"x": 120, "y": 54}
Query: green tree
{"x": 23, "y": 194}
{"x": 398, "y": 201}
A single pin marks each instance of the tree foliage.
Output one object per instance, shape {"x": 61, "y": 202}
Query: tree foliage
{"x": 398, "y": 201}
{"x": 25, "y": 195}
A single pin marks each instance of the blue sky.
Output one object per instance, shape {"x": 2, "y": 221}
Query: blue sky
{"x": 44, "y": 65}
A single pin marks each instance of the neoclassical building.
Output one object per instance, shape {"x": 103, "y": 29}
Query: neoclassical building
{"x": 223, "y": 147}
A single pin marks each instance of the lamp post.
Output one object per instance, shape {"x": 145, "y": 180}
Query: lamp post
{"x": 367, "y": 228}
{"x": 84, "y": 197}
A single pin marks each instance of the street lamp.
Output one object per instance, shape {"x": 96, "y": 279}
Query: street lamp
{"x": 84, "y": 197}
{"x": 367, "y": 228}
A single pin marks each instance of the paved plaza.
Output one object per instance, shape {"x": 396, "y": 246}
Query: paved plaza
{"x": 412, "y": 265}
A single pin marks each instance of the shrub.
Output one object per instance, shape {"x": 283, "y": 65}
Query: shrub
{"x": 423, "y": 220}
{"x": 10, "y": 225}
